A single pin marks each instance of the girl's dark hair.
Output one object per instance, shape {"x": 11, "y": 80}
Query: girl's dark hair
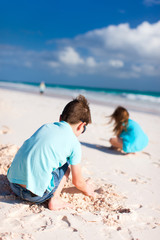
{"x": 120, "y": 117}
{"x": 77, "y": 110}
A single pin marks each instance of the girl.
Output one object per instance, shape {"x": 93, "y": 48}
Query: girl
{"x": 129, "y": 135}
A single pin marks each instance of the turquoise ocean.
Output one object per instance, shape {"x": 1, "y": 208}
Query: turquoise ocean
{"x": 133, "y": 100}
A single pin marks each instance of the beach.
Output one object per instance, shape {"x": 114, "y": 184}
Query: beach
{"x": 127, "y": 203}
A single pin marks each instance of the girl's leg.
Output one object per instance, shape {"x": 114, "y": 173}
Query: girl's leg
{"x": 116, "y": 142}
{"x": 56, "y": 203}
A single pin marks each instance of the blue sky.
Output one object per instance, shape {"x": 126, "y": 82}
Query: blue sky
{"x": 111, "y": 44}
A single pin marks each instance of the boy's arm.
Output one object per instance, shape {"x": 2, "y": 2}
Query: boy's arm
{"x": 79, "y": 182}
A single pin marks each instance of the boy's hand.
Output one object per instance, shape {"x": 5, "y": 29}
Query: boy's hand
{"x": 89, "y": 188}
{"x": 77, "y": 179}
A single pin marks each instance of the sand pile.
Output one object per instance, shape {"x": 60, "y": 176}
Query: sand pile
{"x": 7, "y": 152}
{"x": 107, "y": 202}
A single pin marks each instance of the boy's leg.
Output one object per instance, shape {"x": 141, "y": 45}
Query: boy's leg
{"x": 116, "y": 142}
{"x": 55, "y": 202}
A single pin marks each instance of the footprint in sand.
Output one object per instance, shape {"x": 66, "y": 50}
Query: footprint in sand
{"x": 46, "y": 223}
{"x": 120, "y": 172}
{"x": 13, "y": 236}
{"x": 157, "y": 164}
{"x": 148, "y": 154}
{"x": 5, "y": 130}
{"x": 138, "y": 180}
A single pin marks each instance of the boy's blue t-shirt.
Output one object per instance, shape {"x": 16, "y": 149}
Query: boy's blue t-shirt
{"x": 134, "y": 139}
{"x": 49, "y": 148}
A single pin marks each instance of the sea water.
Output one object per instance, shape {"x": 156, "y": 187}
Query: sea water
{"x": 133, "y": 100}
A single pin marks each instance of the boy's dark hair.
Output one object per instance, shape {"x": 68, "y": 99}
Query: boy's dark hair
{"x": 77, "y": 110}
{"x": 120, "y": 116}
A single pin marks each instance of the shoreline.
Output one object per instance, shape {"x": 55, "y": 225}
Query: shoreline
{"x": 131, "y": 106}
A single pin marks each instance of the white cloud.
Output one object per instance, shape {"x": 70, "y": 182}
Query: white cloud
{"x": 70, "y": 56}
{"x": 121, "y": 47}
{"x": 90, "y": 61}
{"x": 53, "y": 64}
{"x": 114, "y": 51}
{"x": 137, "y": 69}
{"x": 149, "y": 69}
{"x": 116, "y": 63}
{"x": 142, "y": 41}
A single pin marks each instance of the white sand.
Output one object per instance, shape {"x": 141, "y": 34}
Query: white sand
{"x": 127, "y": 186}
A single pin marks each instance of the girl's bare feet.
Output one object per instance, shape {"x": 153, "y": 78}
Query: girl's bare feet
{"x": 131, "y": 153}
{"x": 56, "y": 203}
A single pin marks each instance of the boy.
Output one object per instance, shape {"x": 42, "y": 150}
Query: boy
{"x": 40, "y": 167}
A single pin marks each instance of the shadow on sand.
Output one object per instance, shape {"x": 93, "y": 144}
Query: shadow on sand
{"x": 102, "y": 148}
{"x": 4, "y": 186}
{"x": 71, "y": 190}
{"x": 8, "y": 196}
